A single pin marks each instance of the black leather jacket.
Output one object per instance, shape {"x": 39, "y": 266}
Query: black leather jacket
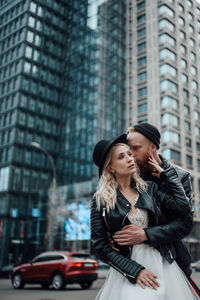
{"x": 168, "y": 230}
{"x": 169, "y": 197}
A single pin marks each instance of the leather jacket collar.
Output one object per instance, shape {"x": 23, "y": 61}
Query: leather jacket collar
{"x": 144, "y": 201}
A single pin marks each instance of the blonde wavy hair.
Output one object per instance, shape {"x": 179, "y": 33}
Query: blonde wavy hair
{"x": 106, "y": 193}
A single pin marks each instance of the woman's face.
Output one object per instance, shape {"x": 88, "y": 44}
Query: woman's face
{"x": 122, "y": 161}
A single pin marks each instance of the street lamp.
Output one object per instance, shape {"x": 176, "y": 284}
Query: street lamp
{"x": 52, "y": 198}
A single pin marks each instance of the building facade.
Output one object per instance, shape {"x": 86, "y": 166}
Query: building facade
{"x": 162, "y": 82}
{"x": 32, "y": 39}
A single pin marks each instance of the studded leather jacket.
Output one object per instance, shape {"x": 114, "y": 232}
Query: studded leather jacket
{"x": 163, "y": 202}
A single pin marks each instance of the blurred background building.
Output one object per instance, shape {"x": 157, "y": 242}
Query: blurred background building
{"x": 72, "y": 72}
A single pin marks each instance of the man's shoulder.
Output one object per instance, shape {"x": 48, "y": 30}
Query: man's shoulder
{"x": 182, "y": 173}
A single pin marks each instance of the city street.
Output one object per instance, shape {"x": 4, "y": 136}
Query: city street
{"x": 72, "y": 292}
{"x": 34, "y": 292}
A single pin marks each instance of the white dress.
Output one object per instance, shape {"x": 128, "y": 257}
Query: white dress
{"x": 173, "y": 282}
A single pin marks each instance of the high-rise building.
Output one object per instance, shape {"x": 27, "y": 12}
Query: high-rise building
{"x": 32, "y": 41}
{"x": 163, "y": 84}
{"x": 62, "y": 85}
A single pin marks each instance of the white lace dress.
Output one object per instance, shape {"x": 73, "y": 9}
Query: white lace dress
{"x": 173, "y": 282}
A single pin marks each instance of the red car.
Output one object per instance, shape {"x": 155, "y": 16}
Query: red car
{"x": 56, "y": 269}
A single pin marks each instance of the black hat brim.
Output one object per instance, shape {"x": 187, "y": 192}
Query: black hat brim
{"x": 120, "y": 139}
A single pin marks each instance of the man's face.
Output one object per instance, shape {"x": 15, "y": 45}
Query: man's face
{"x": 141, "y": 148}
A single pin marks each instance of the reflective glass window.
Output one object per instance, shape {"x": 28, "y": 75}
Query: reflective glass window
{"x": 165, "y": 23}
{"x": 170, "y": 136}
{"x": 169, "y": 118}
{"x": 168, "y": 101}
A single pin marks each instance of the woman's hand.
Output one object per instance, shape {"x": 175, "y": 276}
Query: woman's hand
{"x": 147, "y": 278}
{"x": 157, "y": 170}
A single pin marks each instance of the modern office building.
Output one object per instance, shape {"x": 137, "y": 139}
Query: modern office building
{"x": 32, "y": 40}
{"x": 163, "y": 83}
{"x": 93, "y": 103}
{"x": 62, "y": 85}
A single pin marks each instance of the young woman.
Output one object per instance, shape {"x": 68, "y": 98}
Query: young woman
{"x": 139, "y": 272}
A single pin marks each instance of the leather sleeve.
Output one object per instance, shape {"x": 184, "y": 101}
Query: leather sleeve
{"x": 174, "y": 204}
{"x": 105, "y": 252}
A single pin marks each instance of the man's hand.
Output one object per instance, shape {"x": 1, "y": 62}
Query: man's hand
{"x": 130, "y": 235}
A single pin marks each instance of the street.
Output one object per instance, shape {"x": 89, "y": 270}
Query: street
{"x": 71, "y": 292}
{"x": 35, "y": 292}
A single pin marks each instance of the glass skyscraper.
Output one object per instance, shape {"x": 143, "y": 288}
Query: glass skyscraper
{"x": 62, "y": 85}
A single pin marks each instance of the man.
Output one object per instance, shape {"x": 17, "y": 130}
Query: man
{"x": 144, "y": 140}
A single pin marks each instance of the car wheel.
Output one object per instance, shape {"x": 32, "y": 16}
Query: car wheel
{"x": 86, "y": 284}
{"x": 17, "y": 281}
{"x": 45, "y": 285}
{"x": 58, "y": 282}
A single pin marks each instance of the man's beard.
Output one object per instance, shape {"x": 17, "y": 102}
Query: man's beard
{"x": 144, "y": 167}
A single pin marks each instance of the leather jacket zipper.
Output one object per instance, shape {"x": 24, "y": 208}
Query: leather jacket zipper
{"x": 125, "y": 218}
{"x": 123, "y": 273}
{"x": 104, "y": 216}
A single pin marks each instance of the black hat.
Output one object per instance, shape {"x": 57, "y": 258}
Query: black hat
{"x": 102, "y": 148}
{"x": 150, "y": 132}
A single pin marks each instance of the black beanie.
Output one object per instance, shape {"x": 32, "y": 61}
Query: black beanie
{"x": 150, "y": 132}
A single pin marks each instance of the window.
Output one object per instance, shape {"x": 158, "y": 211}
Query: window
{"x": 186, "y": 110}
{"x": 191, "y": 29}
{"x": 184, "y": 78}
{"x": 142, "y": 61}
{"x": 182, "y": 35}
{"x": 186, "y": 95}
{"x": 142, "y": 108}
{"x": 187, "y": 126}
{"x": 30, "y": 36}
{"x": 198, "y": 146}
{"x": 189, "y": 160}
{"x": 183, "y": 63}
{"x": 142, "y": 76}
{"x": 141, "y": 19}
{"x": 181, "y": 8}
{"x": 195, "y": 100}
{"x": 192, "y": 43}
{"x": 181, "y": 21}
{"x": 168, "y": 69}
{"x": 166, "y": 38}
{"x": 170, "y": 136}
{"x": 197, "y": 131}
{"x": 164, "y": 23}
{"x": 4, "y": 178}
{"x": 27, "y": 67}
{"x": 196, "y": 115}
{"x": 194, "y": 85}
{"x": 33, "y": 7}
{"x": 169, "y": 118}
{"x": 164, "y": 9}
{"x": 141, "y": 32}
{"x": 141, "y": 47}
{"x": 193, "y": 56}
{"x": 188, "y": 142}
{"x": 171, "y": 154}
{"x": 193, "y": 70}
{"x": 166, "y": 53}
{"x": 141, "y": 5}
{"x": 183, "y": 49}
{"x": 190, "y": 16}
{"x": 168, "y": 101}
{"x": 31, "y": 21}
{"x": 167, "y": 84}
{"x": 142, "y": 92}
